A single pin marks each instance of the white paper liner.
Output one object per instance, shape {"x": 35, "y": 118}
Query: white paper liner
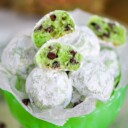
{"x": 59, "y": 116}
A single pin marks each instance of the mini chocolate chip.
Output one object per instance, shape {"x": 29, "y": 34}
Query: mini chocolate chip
{"x": 73, "y": 61}
{"x": 73, "y": 52}
{"x": 106, "y": 35}
{"x": 63, "y": 18}
{"x": 76, "y": 103}
{"x": 111, "y": 25}
{"x": 50, "y": 47}
{"x": 39, "y": 28}
{"x": 2, "y": 125}
{"x": 51, "y": 55}
{"x": 96, "y": 26}
{"x": 53, "y": 17}
{"x": 49, "y": 29}
{"x": 56, "y": 64}
{"x": 67, "y": 28}
{"x": 26, "y": 101}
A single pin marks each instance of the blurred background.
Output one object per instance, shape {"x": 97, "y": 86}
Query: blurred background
{"x": 15, "y": 15}
{"x": 114, "y": 8}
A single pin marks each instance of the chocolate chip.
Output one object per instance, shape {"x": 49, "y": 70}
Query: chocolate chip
{"x": 49, "y": 29}
{"x": 56, "y": 64}
{"x": 39, "y": 28}
{"x": 2, "y": 125}
{"x": 50, "y": 47}
{"x": 76, "y": 103}
{"x": 111, "y": 25}
{"x": 26, "y": 101}
{"x": 96, "y": 26}
{"x": 73, "y": 61}
{"x": 106, "y": 35}
{"x": 68, "y": 27}
{"x": 51, "y": 55}
{"x": 53, "y": 17}
{"x": 63, "y": 18}
{"x": 73, "y": 52}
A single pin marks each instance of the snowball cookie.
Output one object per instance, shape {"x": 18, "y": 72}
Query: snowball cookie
{"x": 55, "y": 55}
{"x": 93, "y": 79}
{"x": 110, "y": 59}
{"x": 84, "y": 40}
{"x": 52, "y": 26}
{"x": 48, "y": 88}
{"x": 18, "y": 56}
{"x": 107, "y": 30}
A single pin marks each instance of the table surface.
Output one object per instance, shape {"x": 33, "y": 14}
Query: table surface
{"x": 120, "y": 122}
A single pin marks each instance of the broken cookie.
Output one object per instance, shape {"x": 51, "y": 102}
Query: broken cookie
{"x": 55, "y": 55}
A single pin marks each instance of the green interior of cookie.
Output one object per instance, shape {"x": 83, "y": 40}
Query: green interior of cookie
{"x": 57, "y": 24}
{"x": 108, "y": 30}
{"x": 58, "y": 56}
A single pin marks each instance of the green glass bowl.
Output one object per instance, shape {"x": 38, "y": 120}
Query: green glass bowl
{"x": 102, "y": 117}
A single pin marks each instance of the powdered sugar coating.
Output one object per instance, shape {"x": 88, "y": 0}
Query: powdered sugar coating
{"x": 18, "y": 56}
{"x": 84, "y": 40}
{"x": 93, "y": 79}
{"x": 48, "y": 88}
{"x": 110, "y": 59}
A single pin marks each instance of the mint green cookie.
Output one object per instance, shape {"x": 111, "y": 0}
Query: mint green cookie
{"x": 52, "y": 26}
{"x": 107, "y": 30}
{"x": 56, "y": 55}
